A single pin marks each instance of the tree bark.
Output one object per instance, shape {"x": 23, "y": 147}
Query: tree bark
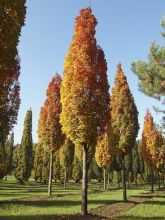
{"x": 158, "y": 180}
{"x": 152, "y": 180}
{"x": 124, "y": 181}
{"x": 163, "y": 179}
{"x": 50, "y": 174}
{"x": 136, "y": 179}
{"x": 128, "y": 179}
{"x": 84, "y": 183}
{"x": 65, "y": 173}
{"x": 118, "y": 179}
{"x": 104, "y": 179}
{"x": 108, "y": 179}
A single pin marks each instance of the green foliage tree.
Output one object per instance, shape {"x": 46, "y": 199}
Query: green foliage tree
{"x": 25, "y": 155}
{"x": 128, "y": 166}
{"x": 9, "y": 154}
{"x": 151, "y": 74}
{"x": 136, "y": 163}
{"x": 66, "y": 158}
{"x": 77, "y": 170}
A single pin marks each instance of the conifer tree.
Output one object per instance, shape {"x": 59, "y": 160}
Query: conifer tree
{"x": 124, "y": 119}
{"x": 66, "y": 158}
{"x": 84, "y": 91}
{"x": 128, "y": 166}
{"x": 136, "y": 163}
{"x": 9, "y": 154}
{"x": 25, "y": 152}
{"x": 77, "y": 170}
{"x": 151, "y": 74}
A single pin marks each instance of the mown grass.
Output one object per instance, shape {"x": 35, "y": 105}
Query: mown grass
{"x": 153, "y": 208}
{"x": 30, "y": 201}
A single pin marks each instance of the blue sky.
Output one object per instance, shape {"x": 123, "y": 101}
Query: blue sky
{"x": 125, "y": 30}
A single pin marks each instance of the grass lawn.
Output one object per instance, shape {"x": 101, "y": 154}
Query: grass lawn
{"x": 153, "y": 208}
{"x": 30, "y": 201}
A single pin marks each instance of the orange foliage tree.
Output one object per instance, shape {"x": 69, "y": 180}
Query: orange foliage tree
{"x": 12, "y": 15}
{"x": 152, "y": 143}
{"x": 124, "y": 119}
{"x": 84, "y": 90}
{"x": 49, "y": 127}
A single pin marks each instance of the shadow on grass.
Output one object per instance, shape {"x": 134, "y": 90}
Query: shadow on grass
{"x": 140, "y": 218}
{"x": 53, "y": 217}
{"x": 55, "y": 203}
{"x": 154, "y": 203}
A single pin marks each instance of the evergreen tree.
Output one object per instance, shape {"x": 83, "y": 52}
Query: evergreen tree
{"x": 25, "y": 152}
{"x": 66, "y": 158}
{"x": 84, "y": 91}
{"x": 128, "y": 166}
{"x": 136, "y": 163}
{"x": 38, "y": 162}
{"x": 9, "y": 154}
{"x": 151, "y": 74}
{"x": 77, "y": 170}
{"x": 124, "y": 119}
{"x": 57, "y": 167}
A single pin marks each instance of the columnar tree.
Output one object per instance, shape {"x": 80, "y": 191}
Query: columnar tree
{"x": 25, "y": 152}
{"x": 12, "y": 16}
{"x": 150, "y": 145}
{"x": 103, "y": 154}
{"x": 49, "y": 128}
{"x": 136, "y": 163}
{"x": 128, "y": 166}
{"x": 84, "y": 91}
{"x": 38, "y": 162}
{"x": 124, "y": 119}
{"x": 66, "y": 158}
{"x": 9, "y": 154}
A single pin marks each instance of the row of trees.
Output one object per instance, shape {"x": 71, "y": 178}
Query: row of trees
{"x": 137, "y": 170}
{"x": 79, "y": 119}
{"x": 78, "y": 108}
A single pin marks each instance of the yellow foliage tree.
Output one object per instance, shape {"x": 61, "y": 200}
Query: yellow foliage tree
{"x": 84, "y": 91}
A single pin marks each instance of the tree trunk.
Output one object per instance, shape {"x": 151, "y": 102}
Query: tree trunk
{"x": 108, "y": 179}
{"x": 158, "y": 180}
{"x": 118, "y": 179}
{"x": 136, "y": 179}
{"x": 124, "y": 181}
{"x": 65, "y": 178}
{"x": 163, "y": 179}
{"x": 50, "y": 174}
{"x": 84, "y": 182}
{"x": 152, "y": 180}
{"x": 128, "y": 179}
{"x": 104, "y": 179}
